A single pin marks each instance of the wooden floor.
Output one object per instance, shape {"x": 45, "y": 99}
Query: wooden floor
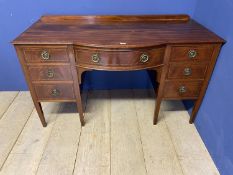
{"x": 118, "y": 138}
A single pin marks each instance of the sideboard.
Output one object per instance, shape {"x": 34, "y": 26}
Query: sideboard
{"x": 56, "y": 50}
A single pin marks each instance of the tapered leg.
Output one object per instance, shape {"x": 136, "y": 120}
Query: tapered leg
{"x": 161, "y": 76}
{"x": 37, "y": 104}
{"x": 157, "y": 109}
{"x": 194, "y": 112}
{"x": 76, "y": 73}
{"x": 205, "y": 83}
{"x": 40, "y": 113}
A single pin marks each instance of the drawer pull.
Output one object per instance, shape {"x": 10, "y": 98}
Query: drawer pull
{"x": 144, "y": 58}
{"x": 182, "y": 90}
{"x": 55, "y": 93}
{"x": 45, "y": 55}
{"x": 95, "y": 58}
{"x": 192, "y": 54}
{"x": 187, "y": 71}
{"x": 50, "y": 73}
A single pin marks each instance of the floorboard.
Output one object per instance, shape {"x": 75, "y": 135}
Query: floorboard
{"x": 60, "y": 152}
{"x": 119, "y": 137}
{"x": 160, "y": 156}
{"x": 12, "y": 123}
{"x": 93, "y": 155}
{"x": 127, "y": 156}
{"x": 193, "y": 155}
{"x": 6, "y": 98}
{"x": 28, "y": 150}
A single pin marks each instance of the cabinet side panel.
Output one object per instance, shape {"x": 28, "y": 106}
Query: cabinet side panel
{"x": 210, "y": 69}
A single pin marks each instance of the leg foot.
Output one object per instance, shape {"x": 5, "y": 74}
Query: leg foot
{"x": 190, "y": 122}
{"x": 82, "y": 119}
{"x": 194, "y": 112}
{"x": 192, "y": 119}
{"x": 44, "y": 125}
{"x": 157, "y": 109}
{"x": 40, "y": 113}
{"x": 155, "y": 122}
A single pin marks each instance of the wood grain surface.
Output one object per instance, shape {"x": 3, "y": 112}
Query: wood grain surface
{"x": 136, "y": 31}
{"x": 56, "y": 50}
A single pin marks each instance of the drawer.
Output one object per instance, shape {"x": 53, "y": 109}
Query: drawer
{"x": 134, "y": 58}
{"x": 54, "y": 91}
{"x": 192, "y": 53}
{"x": 55, "y": 73}
{"x": 187, "y": 71}
{"x": 182, "y": 89}
{"x": 45, "y": 54}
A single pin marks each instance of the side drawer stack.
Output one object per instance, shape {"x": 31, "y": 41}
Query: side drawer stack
{"x": 49, "y": 70}
{"x": 187, "y": 69}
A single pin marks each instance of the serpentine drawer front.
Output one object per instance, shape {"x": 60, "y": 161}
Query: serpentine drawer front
{"x": 56, "y": 50}
{"x": 141, "y": 58}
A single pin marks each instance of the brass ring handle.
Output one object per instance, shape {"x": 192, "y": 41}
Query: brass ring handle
{"x": 182, "y": 89}
{"x": 55, "y": 93}
{"x": 45, "y": 55}
{"x": 187, "y": 71}
{"x": 144, "y": 58}
{"x": 95, "y": 58}
{"x": 50, "y": 73}
{"x": 192, "y": 54}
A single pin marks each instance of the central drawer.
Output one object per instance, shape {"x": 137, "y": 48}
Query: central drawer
{"x": 133, "y": 58}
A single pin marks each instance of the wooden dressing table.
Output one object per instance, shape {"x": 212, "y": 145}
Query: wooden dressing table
{"x": 56, "y": 50}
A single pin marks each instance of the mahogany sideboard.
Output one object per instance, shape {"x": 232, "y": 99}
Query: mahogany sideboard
{"x": 56, "y": 50}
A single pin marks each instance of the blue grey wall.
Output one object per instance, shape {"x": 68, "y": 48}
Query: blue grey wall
{"x": 215, "y": 118}
{"x": 17, "y": 15}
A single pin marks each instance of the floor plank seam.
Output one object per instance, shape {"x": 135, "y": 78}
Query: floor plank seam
{"x": 55, "y": 119}
{"x": 110, "y": 131}
{"x": 139, "y": 131}
{"x": 16, "y": 139}
{"x": 169, "y": 133}
{"x": 9, "y": 105}
{"x": 79, "y": 139}
{"x": 76, "y": 155}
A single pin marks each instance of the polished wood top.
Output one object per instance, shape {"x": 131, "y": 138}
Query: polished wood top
{"x": 117, "y": 31}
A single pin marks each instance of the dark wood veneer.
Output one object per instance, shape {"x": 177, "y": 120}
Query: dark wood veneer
{"x": 32, "y": 54}
{"x": 171, "y": 89}
{"x": 177, "y": 71}
{"x": 56, "y": 50}
{"x": 119, "y": 59}
{"x": 45, "y": 91}
{"x": 181, "y": 53}
{"x": 50, "y": 73}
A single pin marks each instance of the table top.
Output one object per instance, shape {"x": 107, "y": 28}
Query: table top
{"x": 117, "y": 31}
